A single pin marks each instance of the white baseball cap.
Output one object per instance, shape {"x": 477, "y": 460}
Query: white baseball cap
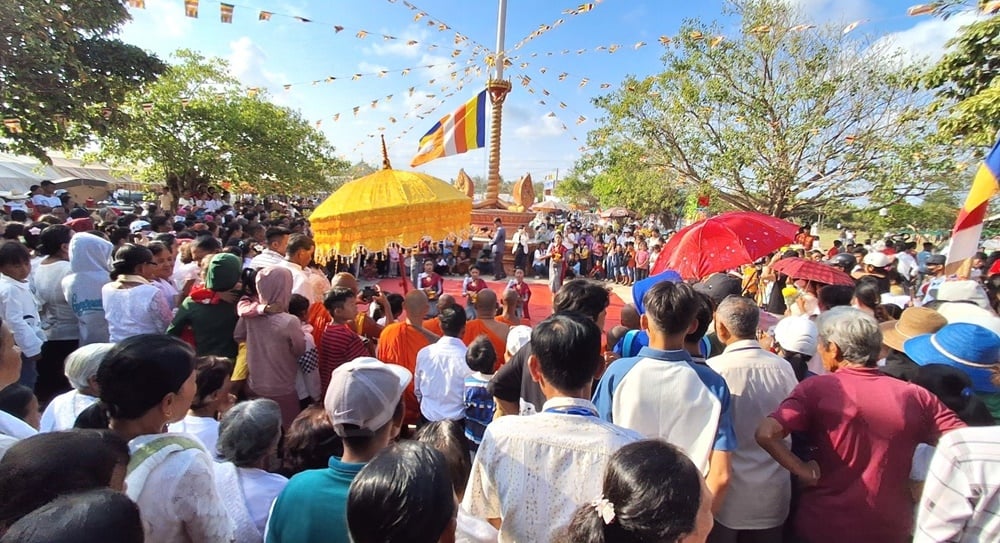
{"x": 363, "y": 395}
{"x": 877, "y": 259}
{"x": 518, "y": 337}
{"x": 797, "y": 335}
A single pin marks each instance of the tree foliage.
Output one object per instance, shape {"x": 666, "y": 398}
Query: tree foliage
{"x": 196, "y": 126}
{"x": 61, "y": 75}
{"x": 966, "y": 84}
{"x": 777, "y": 120}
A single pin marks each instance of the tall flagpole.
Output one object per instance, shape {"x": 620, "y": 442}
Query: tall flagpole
{"x": 497, "y": 87}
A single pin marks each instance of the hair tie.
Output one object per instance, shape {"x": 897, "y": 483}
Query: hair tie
{"x": 967, "y": 392}
{"x": 605, "y": 509}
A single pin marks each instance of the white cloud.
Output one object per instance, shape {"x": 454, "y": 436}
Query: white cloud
{"x": 822, "y": 11}
{"x": 542, "y": 127}
{"x": 168, "y": 23}
{"x": 246, "y": 62}
{"x": 926, "y": 40}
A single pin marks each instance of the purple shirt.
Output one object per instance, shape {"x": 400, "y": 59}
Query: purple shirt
{"x": 864, "y": 427}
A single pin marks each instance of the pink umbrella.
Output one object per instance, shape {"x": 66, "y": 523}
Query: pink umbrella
{"x": 723, "y": 242}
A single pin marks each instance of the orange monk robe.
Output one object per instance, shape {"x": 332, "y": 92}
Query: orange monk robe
{"x": 434, "y": 325}
{"x": 399, "y": 344}
{"x": 475, "y": 328}
{"x": 505, "y": 320}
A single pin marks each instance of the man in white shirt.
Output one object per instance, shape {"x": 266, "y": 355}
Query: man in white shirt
{"x": 531, "y": 473}
{"x": 274, "y": 253}
{"x": 906, "y": 262}
{"x": 46, "y": 200}
{"x": 520, "y": 249}
{"x": 759, "y": 490}
{"x": 439, "y": 378}
{"x": 298, "y": 254}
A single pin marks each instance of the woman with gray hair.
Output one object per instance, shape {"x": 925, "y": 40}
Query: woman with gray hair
{"x": 81, "y": 370}
{"x": 864, "y": 427}
{"x": 248, "y": 438}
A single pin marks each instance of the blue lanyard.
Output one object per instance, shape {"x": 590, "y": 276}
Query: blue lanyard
{"x": 570, "y": 410}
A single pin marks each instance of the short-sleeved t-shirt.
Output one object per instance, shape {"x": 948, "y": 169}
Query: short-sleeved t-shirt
{"x": 864, "y": 427}
{"x": 313, "y": 506}
{"x": 513, "y": 383}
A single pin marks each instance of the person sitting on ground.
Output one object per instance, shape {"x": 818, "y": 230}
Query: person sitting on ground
{"x": 43, "y": 467}
{"x": 439, "y": 377}
{"x": 84, "y": 517}
{"x": 652, "y": 492}
{"x": 365, "y": 404}
{"x": 409, "y": 483}
{"x": 566, "y": 354}
{"x": 432, "y": 284}
{"x": 81, "y": 371}
{"x": 472, "y": 285}
{"x": 485, "y": 322}
{"x": 480, "y": 358}
{"x": 211, "y": 401}
{"x": 248, "y": 441}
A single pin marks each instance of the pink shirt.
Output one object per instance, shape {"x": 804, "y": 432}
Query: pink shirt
{"x": 864, "y": 427}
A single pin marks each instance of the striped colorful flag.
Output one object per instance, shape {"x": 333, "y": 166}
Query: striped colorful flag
{"x": 456, "y": 133}
{"x": 969, "y": 226}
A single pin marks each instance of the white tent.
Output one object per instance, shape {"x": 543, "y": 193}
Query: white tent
{"x": 18, "y": 173}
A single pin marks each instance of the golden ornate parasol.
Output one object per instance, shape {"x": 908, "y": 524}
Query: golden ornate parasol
{"x": 388, "y": 206}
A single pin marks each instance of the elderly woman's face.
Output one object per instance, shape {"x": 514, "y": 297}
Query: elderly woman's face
{"x": 828, "y": 354}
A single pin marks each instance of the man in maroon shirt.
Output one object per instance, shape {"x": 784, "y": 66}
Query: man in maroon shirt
{"x": 863, "y": 427}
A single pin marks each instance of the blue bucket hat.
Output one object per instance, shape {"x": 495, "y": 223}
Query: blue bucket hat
{"x": 968, "y": 347}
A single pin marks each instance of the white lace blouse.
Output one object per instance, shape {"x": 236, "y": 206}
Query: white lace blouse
{"x": 132, "y": 311}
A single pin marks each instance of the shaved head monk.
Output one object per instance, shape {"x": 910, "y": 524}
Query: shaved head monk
{"x": 485, "y": 323}
{"x": 364, "y": 325}
{"x": 630, "y": 317}
{"x": 401, "y": 341}
{"x": 444, "y": 301}
{"x": 511, "y": 301}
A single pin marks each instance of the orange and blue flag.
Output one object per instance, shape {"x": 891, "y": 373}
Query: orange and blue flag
{"x": 456, "y": 133}
{"x": 969, "y": 226}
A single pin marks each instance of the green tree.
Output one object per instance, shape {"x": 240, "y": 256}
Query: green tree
{"x": 196, "y": 126}
{"x": 778, "y": 120}
{"x": 966, "y": 84}
{"x": 61, "y": 75}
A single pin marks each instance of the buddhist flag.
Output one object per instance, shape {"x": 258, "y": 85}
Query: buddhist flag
{"x": 456, "y": 133}
{"x": 191, "y": 8}
{"x": 921, "y": 9}
{"x": 141, "y": 4}
{"x": 226, "y": 13}
{"x": 264, "y": 16}
{"x": 969, "y": 226}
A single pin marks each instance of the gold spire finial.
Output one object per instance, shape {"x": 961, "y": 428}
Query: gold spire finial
{"x": 385, "y": 156}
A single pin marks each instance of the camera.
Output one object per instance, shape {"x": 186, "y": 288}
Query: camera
{"x": 368, "y": 293}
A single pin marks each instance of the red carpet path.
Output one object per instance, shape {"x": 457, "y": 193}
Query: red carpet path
{"x": 540, "y": 305}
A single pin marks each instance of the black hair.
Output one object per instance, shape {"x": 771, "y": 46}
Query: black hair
{"x": 208, "y": 244}
{"x": 84, "y": 517}
{"x": 298, "y": 305}
{"x": 954, "y": 388}
{"x": 128, "y": 258}
{"x": 831, "y": 296}
{"x": 18, "y": 215}
{"x": 310, "y": 441}
{"x": 15, "y": 399}
{"x": 404, "y": 494}
{"x": 139, "y": 371}
{"x": 481, "y": 355}
{"x": 704, "y": 310}
{"x": 395, "y": 302}
{"x": 582, "y": 296}
{"x": 249, "y": 279}
{"x": 448, "y": 437}
{"x": 668, "y": 306}
{"x": 275, "y": 233}
{"x": 210, "y": 375}
{"x": 655, "y": 491}
{"x": 299, "y": 242}
{"x": 452, "y": 321}
{"x": 119, "y": 234}
{"x": 44, "y": 466}
{"x": 13, "y": 253}
{"x": 336, "y": 298}
{"x": 78, "y": 213}
{"x": 868, "y": 294}
{"x": 157, "y": 247}
{"x": 51, "y": 240}
{"x": 568, "y": 348}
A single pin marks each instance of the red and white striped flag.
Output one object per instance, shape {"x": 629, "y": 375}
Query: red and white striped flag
{"x": 969, "y": 226}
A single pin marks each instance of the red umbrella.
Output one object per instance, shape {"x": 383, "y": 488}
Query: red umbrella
{"x": 800, "y": 268}
{"x": 723, "y": 242}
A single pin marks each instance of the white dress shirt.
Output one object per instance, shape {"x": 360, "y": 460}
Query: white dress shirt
{"x": 300, "y": 282}
{"x": 759, "y": 488}
{"x": 267, "y": 258}
{"x": 204, "y": 429}
{"x": 533, "y": 472}
{"x": 439, "y": 379}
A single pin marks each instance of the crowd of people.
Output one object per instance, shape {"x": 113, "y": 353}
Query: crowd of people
{"x": 188, "y": 371}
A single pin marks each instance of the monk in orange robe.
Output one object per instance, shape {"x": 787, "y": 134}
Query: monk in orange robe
{"x": 485, "y": 323}
{"x": 433, "y": 324}
{"x": 511, "y": 301}
{"x": 400, "y": 342}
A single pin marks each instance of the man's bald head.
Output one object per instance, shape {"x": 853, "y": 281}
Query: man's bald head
{"x": 416, "y": 305}
{"x": 630, "y": 317}
{"x": 486, "y": 302}
{"x": 445, "y": 301}
{"x": 345, "y": 280}
{"x": 511, "y": 298}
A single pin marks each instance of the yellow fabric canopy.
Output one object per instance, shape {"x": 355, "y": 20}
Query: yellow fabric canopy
{"x": 388, "y": 206}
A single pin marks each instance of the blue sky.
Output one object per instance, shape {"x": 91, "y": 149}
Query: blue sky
{"x": 285, "y": 51}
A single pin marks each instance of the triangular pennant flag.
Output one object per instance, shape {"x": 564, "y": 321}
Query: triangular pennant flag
{"x": 264, "y": 16}
{"x": 392, "y": 120}
{"x": 716, "y": 41}
{"x": 140, "y": 4}
{"x": 562, "y": 76}
{"x": 605, "y": 85}
{"x": 411, "y": 90}
{"x": 760, "y": 29}
{"x": 405, "y": 71}
{"x": 551, "y": 114}
{"x": 613, "y": 47}
{"x": 302, "y": 19}
{"x": 562, "y": 105}
{"x": 418, "y": 16}
{"x": 584, "y": 81}
{"x": 411, "y": 43}
{"x": 442, "y": 27}
{"x": 581, "y": 51}
{"x": 524, "y": 65}
{"x": 355, "y": 109}
{"x": 664, "y": 40}
{"x": 800, "y": 28}
{"x": 253, "y": 91}
{"x": 387, "y": 37}
{"x": 695, "y": 35}
{"x": 639, "y": 45}
{"x": 456, "y": 53}
{"x": 147, "y": 107}
{"x": 336, "y": 117}
{"x": 226, "y": 13}
{"x": 382, "y": 73}
{"x": 545, "y": 92}
{"x": 331, "y": 79}
{"x": 921, "y": 9}
{"x": 374, "y": 104}
{"x": 361, "y": 34}
{"x": 525, "y": 80}
{"x": 191, "y": 8}
{"x": 356, "y": 77}
{"x": 852, "y": 26}
{"x": 543, "y": 69}
{"x": 388, "y": 98}
{"x": 319, "y": 123}
{"x": 581, "y": 119}
{"x": 337, "y": 29}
